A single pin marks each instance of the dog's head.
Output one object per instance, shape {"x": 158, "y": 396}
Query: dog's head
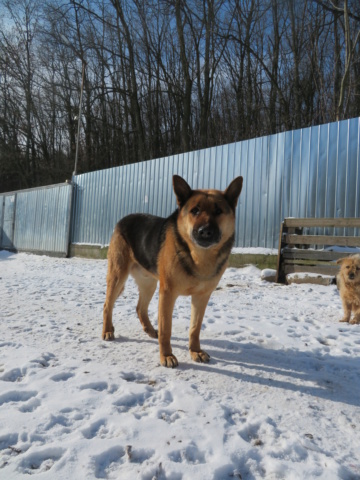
{"x": 206, "y": 217}
{"x": 350, "y": 269}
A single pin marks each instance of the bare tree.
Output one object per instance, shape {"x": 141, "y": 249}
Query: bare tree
{"x": 351, "y": 41}
{"x": 165, "y": 77}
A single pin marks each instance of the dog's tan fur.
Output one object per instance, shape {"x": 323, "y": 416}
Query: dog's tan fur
{"x": 348, "y": 281}
{"x": 181, "y": 264}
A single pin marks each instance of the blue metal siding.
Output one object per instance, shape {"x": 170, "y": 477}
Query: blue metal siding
{"x": 2, "y": 208}
{"x": 8, "y": 216}
{"x": 312, "y": 172}
{"x": 39, "y": 220}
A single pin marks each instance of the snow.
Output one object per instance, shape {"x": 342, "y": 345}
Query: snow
{"x": 254, "y": 251}
{"x": 268, "y": 274}
{"x": 279, "y": 399}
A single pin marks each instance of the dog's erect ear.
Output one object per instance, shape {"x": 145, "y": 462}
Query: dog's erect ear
{"x": 182, "y": 190}
{"x": 233, "y": 191}
{"x": 340, "y": 260}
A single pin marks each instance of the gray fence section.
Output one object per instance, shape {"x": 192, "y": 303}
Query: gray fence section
{"x": 312, "y": 172}
{"x": 37, "y": 220}
{"x": 8, "y": 218}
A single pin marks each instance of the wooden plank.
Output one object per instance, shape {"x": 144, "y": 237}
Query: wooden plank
{"x": 321, "y": 240}
{"x": 308, "y": 261}
{"x": 296, "y": 253}
{"x": 353, "y": 222}
{"x": 279, "y": 275}
{"x": 308, "y": 269}
{"x": 292, "y": 260}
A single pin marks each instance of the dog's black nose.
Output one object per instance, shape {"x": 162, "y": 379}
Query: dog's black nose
{"x": 206, "y": 232}
{"x": 351, "y": 276}
{"x": 206, "y": 235}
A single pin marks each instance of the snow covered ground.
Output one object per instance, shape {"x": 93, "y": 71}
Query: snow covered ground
{"x": 279, "y": 400}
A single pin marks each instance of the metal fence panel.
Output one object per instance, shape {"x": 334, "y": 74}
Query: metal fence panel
{"x": 7, "y": 237}
{"x": 312, "y": 172}
{"x": 2, "y": 208}
{"x": 37, "y": 220}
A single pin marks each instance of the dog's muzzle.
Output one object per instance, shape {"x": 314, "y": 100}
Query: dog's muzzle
{"x": 207, "y": 235}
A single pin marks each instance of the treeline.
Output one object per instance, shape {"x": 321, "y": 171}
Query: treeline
{"x": 162, "y": 77}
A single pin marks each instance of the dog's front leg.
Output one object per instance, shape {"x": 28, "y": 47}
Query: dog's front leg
{"x": 356, "y": 319}
{"x": 198, "y": 307}
{"x": 347, "y": 311}
{"x": 166, "y": 306}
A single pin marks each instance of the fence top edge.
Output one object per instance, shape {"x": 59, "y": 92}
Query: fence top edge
{"x": 44, "y": 187}
{"x": 322, "y": 222}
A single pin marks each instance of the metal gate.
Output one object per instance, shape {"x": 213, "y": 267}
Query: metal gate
{"x": 8, "y": 217}
{"x": 37, "y": 220}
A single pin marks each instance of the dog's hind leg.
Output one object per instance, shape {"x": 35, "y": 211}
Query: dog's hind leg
{"x": 118, "y": 271}
{"x": 115, "y": 286}
{"x": 147, "y": 286}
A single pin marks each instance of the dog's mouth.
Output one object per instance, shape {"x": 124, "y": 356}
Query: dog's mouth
{"x": 206, "y": 235}
{"x": 351, "y": 277}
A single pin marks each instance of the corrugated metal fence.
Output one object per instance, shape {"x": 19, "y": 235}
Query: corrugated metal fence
{"x": 312, "y": 172}
{"x": 37, "y": 220}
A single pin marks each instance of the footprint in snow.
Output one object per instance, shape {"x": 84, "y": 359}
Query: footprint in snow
{"x": 30, "y": 406}
{"x": 110, "y": 460}
{"x": 191, "y": 455}
{"x": 133, "y": 377}
{"x": 14, "y": 375}
{"x": 41, "y": 461}
{"x": 43, "y": 361}
{"x": 7, "y": 440}
{"x": 170, "y": 416}
{"x": 62, "y": 377}
{"x": 10, "y": 344}
{"x": 16, "y": 396}
{"x": 130, "y": 401}
{"x": 98, "y": 386}
{"x": 95, "y": 429}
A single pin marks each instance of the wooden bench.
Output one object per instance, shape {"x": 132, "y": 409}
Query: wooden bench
{"x": 305, "y": 245}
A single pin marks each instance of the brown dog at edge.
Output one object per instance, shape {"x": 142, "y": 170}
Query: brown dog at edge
{"x": 187, "y": 252}
{"x": 348, "y": 282}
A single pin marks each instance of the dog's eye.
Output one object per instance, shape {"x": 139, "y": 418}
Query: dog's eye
{"x": 195, "y": 211}
{"x": 347, "y": 266}
{"x": 218, "y": 210}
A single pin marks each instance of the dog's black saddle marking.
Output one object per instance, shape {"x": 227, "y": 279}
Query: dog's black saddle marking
{"x": 145, "y": 235}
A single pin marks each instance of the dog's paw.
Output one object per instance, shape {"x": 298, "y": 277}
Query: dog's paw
{"x": 344, "y": 320}
{"x": 108, "y": 336}
{"x": 200, "y": 357}
{"x": 355, "y": 321}
{"x": 151, "y": 332}
{"x": 169, "y": 361}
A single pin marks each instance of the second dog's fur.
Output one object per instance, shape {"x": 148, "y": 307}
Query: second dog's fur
{"x": 348, "y": 281}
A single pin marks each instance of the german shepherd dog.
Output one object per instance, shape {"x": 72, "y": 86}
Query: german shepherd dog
{"x": 187, "y": 252}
